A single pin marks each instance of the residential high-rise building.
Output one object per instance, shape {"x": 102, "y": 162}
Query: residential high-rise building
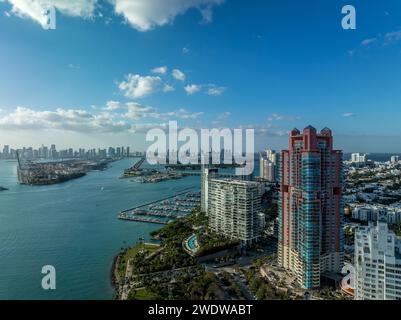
{"x": 205, "y": 176}
{"x": 43, "y": 152}
{"x": 268, "y": 166}
{"x": 111, "y": 152}
{"x": 394, "y": 159}
{"x": 234, "y": 209}
{"x": 53, "y": 151}
{"x": 377, "y": 263}
{"x": 359, "y": 158}
{"x": 267, "y": 169}
{"x": 272, "y": 156}
{"x": 310, "y": 239}
{"x": 6, "y": 151}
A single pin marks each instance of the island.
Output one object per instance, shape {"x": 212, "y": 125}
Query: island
{"x": 147, "y": 175}
{"x": 47, "y": 173}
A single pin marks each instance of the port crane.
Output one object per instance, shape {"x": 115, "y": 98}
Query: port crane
{"x": 137, "y": 165}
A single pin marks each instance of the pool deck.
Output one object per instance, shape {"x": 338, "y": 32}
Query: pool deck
{"x": 187, "y": 245}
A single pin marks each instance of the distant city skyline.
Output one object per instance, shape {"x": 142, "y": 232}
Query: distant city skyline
{"x": 108, "y": 73}
{"x": 349, "y": 154}
{"x": 52, "y": 153}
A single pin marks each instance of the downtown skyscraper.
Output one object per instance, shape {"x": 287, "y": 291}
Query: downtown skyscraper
{"x": 310, "y": 239}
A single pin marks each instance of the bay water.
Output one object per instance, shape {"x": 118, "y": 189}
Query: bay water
{"x": 72, "y": 226}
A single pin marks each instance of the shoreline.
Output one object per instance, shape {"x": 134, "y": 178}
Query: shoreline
{"x": 80, "y": 168}
{"x": 116, "y": 281}
{"x": 56, "y": 199}
{"x": 114, "y": 276}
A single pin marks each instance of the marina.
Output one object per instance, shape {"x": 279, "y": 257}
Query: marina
{"x": 159, "y": 211}
{"x": 141, "y": 219}
{"x": 79, "y": 215}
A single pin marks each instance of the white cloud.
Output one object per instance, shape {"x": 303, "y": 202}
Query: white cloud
{"x": 132, "y": 110}
{"x": 282, "y": 117}
{"x": 207, "y": 14}
{"x": 271, "y": 133}
{"x": 349, "y": 114}
{"x": 82, "y": 121}
{"x": 168, "y": 88}
{"x": 144, "y": 15}
{"x": 185, "y": 50}
{"x": 392, "y": 37}
{"x": 145, "y": 127}
{"x": 74, "y": 66}
{"x": 137, "y": 111}
{"x": 192, "y": 89}
{"x": 160, "y": 70}
{"x": 112, "y": 105}
{"x": 178, "y": 74}
{"x": 36, "y": 9}
{"x": 137, "y": 86}
{"x": 215, "y": 91}
{"x": 368, "y": 41}
{"x": 61, "y": 119}
{"x": 224, "y": 115}
{"x": 183, "y": 114}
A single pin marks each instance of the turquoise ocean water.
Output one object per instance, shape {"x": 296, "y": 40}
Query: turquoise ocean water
{"x": 72, "y": 226}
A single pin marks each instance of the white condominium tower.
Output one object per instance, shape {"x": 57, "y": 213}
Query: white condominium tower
{"x": 268, "y": 166}
{"x": 267, "y": 170}
{"x": 359, "y": 158}
{"x": 234, "y": 209}
{"x": 377, "y": 263}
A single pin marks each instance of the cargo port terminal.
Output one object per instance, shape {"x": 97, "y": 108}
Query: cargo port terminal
{"x": 47, "y": 173}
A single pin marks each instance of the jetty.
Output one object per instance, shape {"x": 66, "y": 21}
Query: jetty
{"x": 141, "y": 219}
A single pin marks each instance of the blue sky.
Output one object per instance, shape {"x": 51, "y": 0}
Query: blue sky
{"x": 106, "y": 74}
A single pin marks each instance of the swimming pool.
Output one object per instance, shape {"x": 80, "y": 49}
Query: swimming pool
{"x": 191, "y": 244}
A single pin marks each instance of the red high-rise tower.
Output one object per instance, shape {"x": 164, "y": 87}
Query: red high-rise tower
{"x": 310, "y": 206}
